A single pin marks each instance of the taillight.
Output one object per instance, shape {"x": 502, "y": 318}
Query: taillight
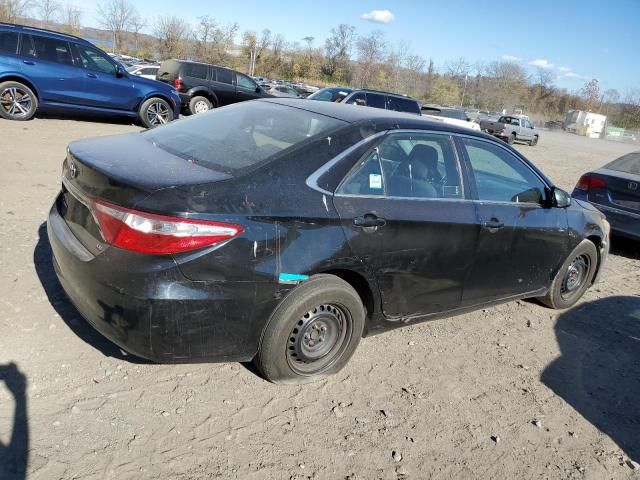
{"x": 588, "y": 182}
{"x": 153, "y": 234}
{"x": 177, "y": 83}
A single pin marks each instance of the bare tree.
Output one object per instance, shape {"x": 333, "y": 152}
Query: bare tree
{"x": 12, "y": 10}
{"x": 48, "y": 11}
{"x": 136, "y": 24}
{"x": 591, "y": 94}
{"x": 254, "y": 47}
{"x": 338, "y": 50}
{"x": 71, "y": 19}
{"x": 171, "y": 33}
{"x": 115, "y": 15}
{"x": 371, "y": 52}
{"x": 213, "y": 41}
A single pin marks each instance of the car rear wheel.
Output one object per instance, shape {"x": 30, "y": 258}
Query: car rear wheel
{"x": 155, "y": 112}
{"x": 17, "y": 101}
{"x": 534, "y": 142}
{"x": 199, "y": 104}
{"x": 511, "y": 139}
{"x": 574, "y": 277}
{"x": 313, "y": 332}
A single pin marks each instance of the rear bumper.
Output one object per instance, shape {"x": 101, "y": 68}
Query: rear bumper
{"x": 622, "y": 222}
{"x": 147, "y": 307}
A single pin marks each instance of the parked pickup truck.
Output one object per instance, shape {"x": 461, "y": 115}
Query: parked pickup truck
{"x": 511, "y": 128}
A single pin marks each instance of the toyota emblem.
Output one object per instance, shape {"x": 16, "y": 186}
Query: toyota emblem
{"x": 632, "y": 186}
{"x": 73, "y": 170}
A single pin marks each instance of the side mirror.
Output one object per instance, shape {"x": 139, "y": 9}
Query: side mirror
{"x": 258, "y": 89}
{"x": 119, "y": 71}
{"x": 560, "y": 198}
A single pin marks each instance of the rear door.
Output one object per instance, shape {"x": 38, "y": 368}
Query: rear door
{"x": 223, "y": 85}
{"x": 49, "y": 63}
{"x": 403, "y": 210}
{"x": 376, "y": 100}
{"x": 522, "y": 242}
{"x": 102, "y": 87}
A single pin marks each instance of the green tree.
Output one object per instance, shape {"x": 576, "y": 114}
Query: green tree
{"x": 445, "y": 91}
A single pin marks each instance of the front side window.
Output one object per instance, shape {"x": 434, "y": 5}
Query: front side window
{"x": 45, "y": 48}
{"x": 241, "y": 136}
{"x": 500, "y": 176}
{"x": 246, "y": 82}
{"x": 93, "y": 59}
{"x": 8, "y": 42}
{"x": 418, "y": 165}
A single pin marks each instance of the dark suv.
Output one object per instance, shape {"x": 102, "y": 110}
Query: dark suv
{"x": 368, "y": 98}
{"x": 44, "y": 69}
{"x": 202, "y": 87}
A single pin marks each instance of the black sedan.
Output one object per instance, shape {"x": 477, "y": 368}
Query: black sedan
{"x": 285, "y": 230}
{"x": 615, "y": 190}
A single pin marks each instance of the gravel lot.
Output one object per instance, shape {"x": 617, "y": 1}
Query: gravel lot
{"x": 515, "y": 391}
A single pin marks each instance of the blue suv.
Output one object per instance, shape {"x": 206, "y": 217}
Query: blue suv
{"x": 44, "y": 69}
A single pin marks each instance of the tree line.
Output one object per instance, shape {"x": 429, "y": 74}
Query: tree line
{"x": 345, "y": 57}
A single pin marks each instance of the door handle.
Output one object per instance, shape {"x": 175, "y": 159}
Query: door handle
{"x": 369, "y": 220}
{"x": 28, "y": 62}
{"x": 92, "y": 75}
{"x": 493, "y": 224}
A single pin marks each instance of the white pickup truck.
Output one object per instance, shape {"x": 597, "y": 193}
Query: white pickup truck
{"x": 512, "y": 128}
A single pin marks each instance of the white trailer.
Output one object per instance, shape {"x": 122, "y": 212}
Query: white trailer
{"x": 589, "y": 124}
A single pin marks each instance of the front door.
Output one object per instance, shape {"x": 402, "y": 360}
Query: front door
{"x": 404, "y": 214}
{"x": 522, "y": 240}
{"x": 246, "y": 89}
{"x": 103, "y": 88}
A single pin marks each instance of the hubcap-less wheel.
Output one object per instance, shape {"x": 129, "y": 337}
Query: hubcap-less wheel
{"x": 16, "y": 102}
{"x": 318, "y": 339}
{"x": 158, "y": 114}
{"x": 575, "y": 275}
{"x": 201, "y": 107}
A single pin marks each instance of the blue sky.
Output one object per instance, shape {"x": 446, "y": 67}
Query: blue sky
{"x": 576, "y": 40}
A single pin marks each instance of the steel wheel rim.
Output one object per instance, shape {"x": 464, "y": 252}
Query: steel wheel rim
{"x": 575, "y": 276}
{"x": 157, "y": 113}
{"x": 201, "y": 107}
{"x": 318, "y": 339}
{"x": 16, "y": 102}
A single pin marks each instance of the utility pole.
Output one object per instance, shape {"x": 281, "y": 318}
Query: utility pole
{"x": 464, "y": 90}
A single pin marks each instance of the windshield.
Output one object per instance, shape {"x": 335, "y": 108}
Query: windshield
{"x": 332, "y": 94}
{"x": 627, "y": 164}
{"x": 240, "y": 136}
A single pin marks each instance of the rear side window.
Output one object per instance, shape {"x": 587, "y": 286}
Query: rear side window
{"x": 44, "y": 48}
{"x": 8, "y": 42}
{"x": 376, "y": 100}
{"x": 627, "y": 164}
{"x": 241, "y": 136}
{"x": 196, "y": 70}
{"x": 224, "y": 76}
{"x": 403, "y": 105}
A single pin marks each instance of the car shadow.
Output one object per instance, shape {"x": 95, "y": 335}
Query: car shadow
{"x": 14, "y": 456}
{"x": 597, "y": 373}
{"x": 43, "y": 261}
{"x": 89, "y": 117}
{"x": 625, "y": 247}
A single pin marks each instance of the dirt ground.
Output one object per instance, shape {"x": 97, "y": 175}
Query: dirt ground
{"x": 517, "y": 391}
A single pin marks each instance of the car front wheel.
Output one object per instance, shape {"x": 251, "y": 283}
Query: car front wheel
{"x": 511, "y": 139}
{"x": 17, "y": 101}
{"x": 155, "y": 112}
{"x": 574, "y": 277}
{"x": 313, "y": 332}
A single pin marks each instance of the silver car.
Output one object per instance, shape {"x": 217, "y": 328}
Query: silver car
{"x": 283, "y": 91}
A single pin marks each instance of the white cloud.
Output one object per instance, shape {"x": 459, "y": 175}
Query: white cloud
{"x": 573, "y": 75}
{"x": 541, "y": 62}
{"x": 564, "y": 69}
{"x": 378, "y": 16}
{"x": 510, "y": 58}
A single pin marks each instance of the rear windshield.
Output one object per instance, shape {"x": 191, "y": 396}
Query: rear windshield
{"x": 240, "y": 136}
{"x": 627, "y": 164}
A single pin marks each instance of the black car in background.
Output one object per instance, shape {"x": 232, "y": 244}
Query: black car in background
{"x": 202, "y": 87}
{"x": 615, "y": 190}
{"x": 368, "y": 98}
{"x": 284, "y": 230}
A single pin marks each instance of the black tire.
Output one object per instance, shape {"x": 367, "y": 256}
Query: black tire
{"x": 324, "y": 308}
{"x": 155, "y": 112}
{"x": 534, "y": 142}
{"x": 567, "y": 287}
{"x": 511, "y": 139}
{"x": 199, "y": 104}
{"x": 17, "y": 101}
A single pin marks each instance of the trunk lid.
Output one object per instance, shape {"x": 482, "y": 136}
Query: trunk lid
{"x": 621, "y": 190}
{"x": 123, "y": 170}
